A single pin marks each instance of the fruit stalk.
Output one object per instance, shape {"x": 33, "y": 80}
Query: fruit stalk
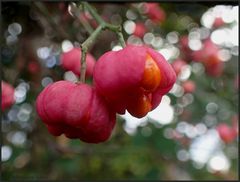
{"x": 102, "y": 26}
{"x": 114, "y": 28}
{"x": 84, "y": 47}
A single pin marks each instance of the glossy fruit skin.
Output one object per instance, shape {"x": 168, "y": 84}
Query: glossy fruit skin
{"x": 155, "y": 12}
{"x": 70, "y": 61}
{"x": 119, "y": 76}
{"x": 7, "y": 99}
{"x": 75, "y": 110}
{"x": 226, "y": 133}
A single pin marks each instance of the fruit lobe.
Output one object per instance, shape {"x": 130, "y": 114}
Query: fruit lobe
{"x": 140, "y": 106}
{"x": 75, "y": 110}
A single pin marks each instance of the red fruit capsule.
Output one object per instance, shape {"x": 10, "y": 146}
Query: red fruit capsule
{"x": 71, "y": 61}
{"x": 7, "y": 95}
{"x": 75, "y": 110}
{"x": 134, "y": 78}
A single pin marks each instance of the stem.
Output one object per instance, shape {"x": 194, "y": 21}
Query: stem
{"x": 87, "y": 43}
{"x": 93, "y": 13}
{"x": 84, "y": 47}
{"x": 114, "y": 28}
{"x": 121, "y": 39}
{"x": 77, "y": 14}
{"x": 83, "y": 65}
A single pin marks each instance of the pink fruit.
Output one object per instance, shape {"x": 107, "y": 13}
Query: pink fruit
{"x": 7, "y": 95}
{"x": 33, "y": 67}
{"x": 226, "y": 133}
{"x": 189, "y": 86}
{"x": 140, "y": 30}
{"x": 208, "y": 55}
{"x": 134, "y": 78}
{"x": 155, "y": 12}
{"x": 214, "y": 67}
{"x": 75, "y": 110}
{"x": 208, "y": 49}
{"x": 71, "y": 61}
{"x": 218, "y": 22}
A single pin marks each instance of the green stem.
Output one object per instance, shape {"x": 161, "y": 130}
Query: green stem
{"x": 102, "y": 26}
{"x": 83, "y": 65}
{"x": 114, "y": 28}
{"x": 84, "y": 47}
{"x": 93, "y": 12}
{"x": 121, "y": 39}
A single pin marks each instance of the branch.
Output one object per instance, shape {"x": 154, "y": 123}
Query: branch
{"x": 114, "y": 28}
{"x": 77, "y": 14}
{"x": 84, "y": 47}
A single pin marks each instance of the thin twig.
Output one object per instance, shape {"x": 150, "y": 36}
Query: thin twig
{"x": 84, "y": 47}
{"x": 114, "y": 28}
{"x": 77, "y": 14}
{"x": 102, "y": 26}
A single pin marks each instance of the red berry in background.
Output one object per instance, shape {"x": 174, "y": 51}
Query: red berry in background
{"x": 7, "y": 95}
{"x": 33, "y": 67}
{"x": 218, "y": 22}
{"x": 178, "y": 64}
{"x": 208, "y": 55}
{"x": 189, "y": 86}
{"x": 140, "y": 30}
{"x": 134, "y": 78}
{"x": 214, "y": 66}
{"x": 226, "y": 133}
{"x": 155, "y": 12}
{"x": 208, "y": 49}
{"x": 71, "y": 61}
{"x": 75, "y": 110}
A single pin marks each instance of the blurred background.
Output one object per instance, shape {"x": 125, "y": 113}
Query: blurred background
{"x": 192, "y": 135}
